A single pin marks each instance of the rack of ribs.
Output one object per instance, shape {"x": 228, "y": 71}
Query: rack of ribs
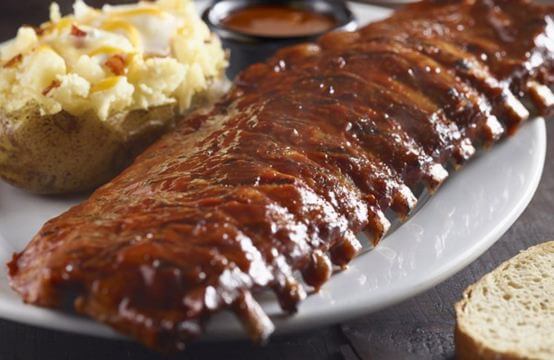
{"x": 320, "y": 143}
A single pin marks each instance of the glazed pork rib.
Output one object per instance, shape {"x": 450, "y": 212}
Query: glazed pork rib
{"x": 318, "y": 144}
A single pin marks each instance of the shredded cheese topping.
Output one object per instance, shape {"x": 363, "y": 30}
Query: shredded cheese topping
{"x": 109, "y": 60}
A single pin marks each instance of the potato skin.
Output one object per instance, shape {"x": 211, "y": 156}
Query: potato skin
{"x": 62, "y": 153}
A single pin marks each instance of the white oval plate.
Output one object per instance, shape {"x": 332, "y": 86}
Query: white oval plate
{"x": 467, "y": 215}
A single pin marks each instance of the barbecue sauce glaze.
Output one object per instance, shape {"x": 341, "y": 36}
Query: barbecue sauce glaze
{"x": 278, "y": 21}
{"x": 321, "y": 142}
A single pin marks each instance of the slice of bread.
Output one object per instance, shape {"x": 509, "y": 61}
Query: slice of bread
{"x": 509, "y": 313}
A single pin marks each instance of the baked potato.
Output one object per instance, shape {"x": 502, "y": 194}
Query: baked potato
{"x": 83, "y": 94}
{"x": 63, "y": 153}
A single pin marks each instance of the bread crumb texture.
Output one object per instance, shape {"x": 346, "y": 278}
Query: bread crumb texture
{"x": 509, "y": 313}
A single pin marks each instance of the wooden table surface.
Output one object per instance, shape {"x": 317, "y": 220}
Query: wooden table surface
{"x": 420, "y": 328}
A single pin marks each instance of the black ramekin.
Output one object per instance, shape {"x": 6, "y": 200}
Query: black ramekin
{"x": 248, "y": 49}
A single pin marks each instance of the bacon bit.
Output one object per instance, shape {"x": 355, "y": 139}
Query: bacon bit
{"x": 39, "y": 30}
{"x": 75, "y": 31}
{"x": 52, "y": 86}
{"x": 14, "y": 61}
{"x": 117, "y": 63}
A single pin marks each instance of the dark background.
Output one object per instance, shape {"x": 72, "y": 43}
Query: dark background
{"x": 420, "y": 328}
{"x": 13, "y": 13}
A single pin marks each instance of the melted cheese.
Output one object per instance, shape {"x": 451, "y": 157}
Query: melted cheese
{"x": 130, "y": 31}
{"x": 106, "y": 84}
{"x": 170, "y": 55}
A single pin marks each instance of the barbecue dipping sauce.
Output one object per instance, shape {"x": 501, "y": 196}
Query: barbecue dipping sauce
{"x": 278, "y": 21}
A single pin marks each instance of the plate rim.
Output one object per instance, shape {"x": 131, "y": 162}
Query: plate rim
{"x": 77, "y": 325}
{"x": 441, "y": 274}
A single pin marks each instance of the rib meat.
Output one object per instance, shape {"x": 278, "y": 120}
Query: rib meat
{"x": 316, "y": 145}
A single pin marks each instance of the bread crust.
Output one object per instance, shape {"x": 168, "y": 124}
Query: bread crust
{"x": 467, "y": 346}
